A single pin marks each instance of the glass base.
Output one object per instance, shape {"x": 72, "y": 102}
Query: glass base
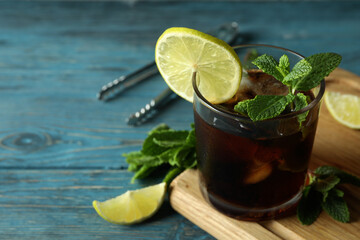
{"x": 251, "y": 214}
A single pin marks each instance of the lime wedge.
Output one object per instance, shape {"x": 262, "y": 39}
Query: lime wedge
{"x": 181, "y": 51}
{"x": 345, "y": 108}
{"x": 133, "y": 206}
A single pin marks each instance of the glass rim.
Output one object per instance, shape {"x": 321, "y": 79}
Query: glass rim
{"x": 229, "y": 114}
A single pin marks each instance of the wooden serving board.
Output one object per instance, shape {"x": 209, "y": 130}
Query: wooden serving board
{"x": 334, "y": 145}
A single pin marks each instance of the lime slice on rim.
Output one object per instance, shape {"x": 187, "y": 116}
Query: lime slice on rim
{"x": 345, "y": 108}
{"x": 181, "y": 51}
{"x": 133, "y": 206}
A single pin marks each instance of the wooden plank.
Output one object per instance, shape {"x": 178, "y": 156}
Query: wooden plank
{"x": 334, "y": 145}
{"x": 57, "y": 204}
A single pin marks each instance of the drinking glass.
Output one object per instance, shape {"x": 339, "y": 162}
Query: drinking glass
{"x": 254, "y": 170}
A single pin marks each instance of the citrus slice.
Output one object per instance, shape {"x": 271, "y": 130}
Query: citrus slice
{"x": 181, "y": 51}
{"x": 133, "y": 206}
{"x": 345, "y": 108}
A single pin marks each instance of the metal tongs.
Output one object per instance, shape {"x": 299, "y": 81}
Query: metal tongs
{"x": 227, "y": 32}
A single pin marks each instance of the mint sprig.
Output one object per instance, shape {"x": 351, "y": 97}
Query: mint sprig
{"x": 164, "y": 147}
{"x": 305, "y": 75}
{"x": 322, "y": 194}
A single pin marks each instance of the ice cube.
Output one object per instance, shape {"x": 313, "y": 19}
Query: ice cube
{"x": 256, "y": 82}
{"x": 264, "y": 84}
{"x": 267, "y": 154}
{"x": 258, "y": 173}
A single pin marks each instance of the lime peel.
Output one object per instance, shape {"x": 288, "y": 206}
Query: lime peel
{"x": 133, "y": 206}
{"x": 345, "y": 108}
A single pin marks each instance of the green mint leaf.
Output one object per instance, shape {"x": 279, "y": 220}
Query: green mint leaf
{"x": 326, "y": 184}
{"x": 139, "y": 159}
{"x": 131, "y": 159}
{"x": 344, "y": 176}
{"x": 160, "y": 127}
{"x": 171, "y": 174}
{"x": 133, "y": 167}
{"x": 268, "y": 65}
{"x": 150, "y": 147}
{"x": 164, "y": 157}
{"x": 163, "y": 147}
{"x": 191, "y": 138}
{"x": 284, "y": 63}
{"x": 183, "y": 157}
{"x": 168, "y": 139}
{"x": 159, "y": 141}
{"x": 322, "y": 65}
{"x": 299, "y": 71}
{"x": 268, "y": 106}
{"x": 300, "y": 102}
{"x": 336, "y": 207}
{"x": 131, "y": 156}
{"x": 143, "y": 172}
{"x": 337, "y": 192}
{"x": 152, "y": 161}
{"x": 309, "y": 207}
{"x": 242, "y": 107}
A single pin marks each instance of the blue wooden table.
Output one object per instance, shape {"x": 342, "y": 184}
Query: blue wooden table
{"x": 60, "y": 148}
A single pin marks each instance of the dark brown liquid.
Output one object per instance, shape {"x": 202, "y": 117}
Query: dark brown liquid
{"x": 239, "y": 171}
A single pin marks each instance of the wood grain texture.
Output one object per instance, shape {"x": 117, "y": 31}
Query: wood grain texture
{"x": 60, "y": 148}
{"x": 334, "y": 145}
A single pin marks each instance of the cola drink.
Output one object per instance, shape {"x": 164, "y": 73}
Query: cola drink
{"x": 253, "y": 170}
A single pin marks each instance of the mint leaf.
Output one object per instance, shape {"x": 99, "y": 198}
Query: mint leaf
{"x": 164, "y": 147}
{"x": 300, "y": 102}
{"x": 305, "y": 75}
{"x": 326, "y": 184}
{"x": 131, "y": 156}
{"x": 336, "y": 207}
{"x": 143, "y": 172}
{"x": 191, "y": 138}
{"x": 179, "y": 155}
{"x": 170, "y": 139}
{"x": 284, "y": 65}
{"x": 133, "y": 167}
{"x": 323, "y": 187}
{"x": 322, "y": 65}
{"x": 268, "y": 65}
{"x": 337, "y": 192}
{"x": 159, "y": 141}
{"x": 299, "y": 71}
{"x": 344, "y": 176}
{"x": 140, "y": 159}
{"x": 171, "y": 174}
{"x": 242, "y": 107}
{"x": 268, "y": 106}
{"x": 158, "y": 128}
{"x": 309, "y": 207}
